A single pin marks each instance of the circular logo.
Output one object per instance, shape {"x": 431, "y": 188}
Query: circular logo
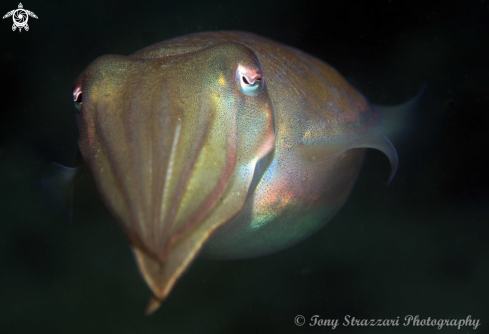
{"x": 20, "y": 16}
{"x": 299, "y": 320}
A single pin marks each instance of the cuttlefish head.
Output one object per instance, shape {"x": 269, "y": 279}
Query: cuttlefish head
{"x": 172, "y": 144}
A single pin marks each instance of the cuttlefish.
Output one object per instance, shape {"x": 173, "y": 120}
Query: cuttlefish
{"x": 225, "y": 145}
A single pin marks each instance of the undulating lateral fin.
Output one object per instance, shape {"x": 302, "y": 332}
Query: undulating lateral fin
{"x": 371, "y": 138}
{"x": 377, "y": 140}
{"x": 57, "y": 187}
{"x": 397, "y": 121}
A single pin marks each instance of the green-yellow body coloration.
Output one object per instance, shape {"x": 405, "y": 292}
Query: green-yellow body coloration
{"x": 225, "y": 144}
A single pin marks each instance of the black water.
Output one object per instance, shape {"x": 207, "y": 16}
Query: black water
{"x": 417, "y": 247}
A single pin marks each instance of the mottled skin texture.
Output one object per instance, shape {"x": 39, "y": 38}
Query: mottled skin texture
{"x": 174, "y": 147}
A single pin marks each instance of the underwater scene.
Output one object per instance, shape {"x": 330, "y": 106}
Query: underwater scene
{"x": 244, "y": 167}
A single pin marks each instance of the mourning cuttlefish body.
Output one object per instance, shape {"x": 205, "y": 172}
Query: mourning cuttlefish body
{"x": 221, "y": 144}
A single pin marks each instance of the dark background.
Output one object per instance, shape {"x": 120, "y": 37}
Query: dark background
{"x": 417, "y": 247}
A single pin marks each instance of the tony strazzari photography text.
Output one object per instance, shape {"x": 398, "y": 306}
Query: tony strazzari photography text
{"x": 408, "y": 320}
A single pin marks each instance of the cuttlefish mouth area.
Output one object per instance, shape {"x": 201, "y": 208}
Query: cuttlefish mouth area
{"x": 172, "y": 144}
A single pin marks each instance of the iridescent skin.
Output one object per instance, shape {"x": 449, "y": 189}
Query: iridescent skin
{"x": 189, "y": 162}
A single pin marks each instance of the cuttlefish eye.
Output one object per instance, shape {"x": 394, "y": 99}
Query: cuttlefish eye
{"x": 77, "y": 98}
{"x": 249, "y": 80}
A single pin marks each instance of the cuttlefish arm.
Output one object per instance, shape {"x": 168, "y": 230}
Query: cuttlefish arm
{"x": 172, "y": 144}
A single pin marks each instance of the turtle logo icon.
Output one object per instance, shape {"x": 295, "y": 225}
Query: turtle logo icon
{"x": 20, "y": 16}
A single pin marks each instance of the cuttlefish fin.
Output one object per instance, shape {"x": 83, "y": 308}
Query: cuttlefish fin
{"x": 57, "y": 187}
{"x": 372, "y": 138}
{"x": 398, "y": 121}
{"x": 377, "y": 140}
{"x": 394, "y": 123}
